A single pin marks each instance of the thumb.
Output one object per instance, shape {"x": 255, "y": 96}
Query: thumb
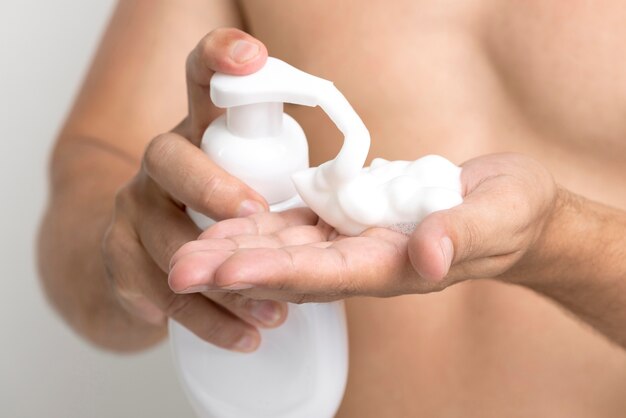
{"x": 225, "y": 50}
{"x": 486, "y": 227}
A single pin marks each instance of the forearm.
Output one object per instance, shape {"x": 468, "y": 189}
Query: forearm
{"x": 70, "y": 261}
{"x": 580, "y": 262}
{"x": 134, "y": 91}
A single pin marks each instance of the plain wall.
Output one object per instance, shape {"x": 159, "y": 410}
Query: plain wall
{"x": 45, "y": 370}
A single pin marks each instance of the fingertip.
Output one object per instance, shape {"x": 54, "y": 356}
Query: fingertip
{"x": 225, "y": 50}
{"x": 241, "y": 54}
{"x": 250, "y": 207}
{"x": 249, "y": 341}
{"x": 181, "y": 278}
{"x": 195, "y": 272}
{"x": 220, "y": 195}
{"x": 181, "y": 252}
{"x": 431, "y": 250}
{"x": 268, "y": 313}
{"x": 284, "y": 311}
{"x": 427, "y": 259}
{"x": 248, "y": 55}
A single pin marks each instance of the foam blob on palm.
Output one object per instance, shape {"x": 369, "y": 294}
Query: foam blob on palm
{"x": 396, "y": 194}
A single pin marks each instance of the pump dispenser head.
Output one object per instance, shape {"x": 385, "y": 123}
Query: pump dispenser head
{"x": 254, "y": 107}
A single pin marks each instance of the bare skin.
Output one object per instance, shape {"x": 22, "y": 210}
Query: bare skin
{"x": 427, "y": 77}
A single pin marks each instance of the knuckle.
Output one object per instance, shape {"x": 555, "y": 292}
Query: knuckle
{"x": 108, "y": 241}
{"x": 472, "y": 238}
{"x": 107, "y": 250}
{"x": 215, "y": 38}
{"x": 210, "y": 51}
{"x": 234, "y": 301}
{"x": 111, "y": 248}
{"x": 124, "y": 289}
{"x": 211, "y": 190}
{"x": 345, "y": 283}
{"x": 177, "y": 305}
{"x": 114, "y": 250}
{"x": 205, "y": 46}
{"x": 519, "y": 203}
{"x": 206, "y": 49}
{"x": 222, "y": 32}
{"x": 123, "y": 198}
{"x": 157, "y": 151}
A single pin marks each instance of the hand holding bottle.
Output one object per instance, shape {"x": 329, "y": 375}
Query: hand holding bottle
{"x": 150, "y": 223}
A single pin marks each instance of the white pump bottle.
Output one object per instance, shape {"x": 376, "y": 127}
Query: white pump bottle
{"x": 300, "y": 368}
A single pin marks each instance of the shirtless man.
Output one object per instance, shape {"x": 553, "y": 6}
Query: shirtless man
{"x": 543, "y": 337}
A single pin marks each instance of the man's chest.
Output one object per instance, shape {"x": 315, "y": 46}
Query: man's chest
{"x": 469, "y": 79}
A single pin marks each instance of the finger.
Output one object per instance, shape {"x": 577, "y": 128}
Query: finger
{"x": 217, "y": 237}
{"x": 161, "y": 226}
{"x": 201, "y": 258}
{"x": 261, "y": 224}
{"x": 260, "y": 313}
{"x": 225, "y": 50}
{"x": 188, "y": 175}
{"x": 204, "y": 318}
{"x": 163, "y": 231}
{"x": 172, "y": 229}
{"x": 489, "y": 225}
{"x": 358, "y": 266}
{"x": 193, "y": 266}
{"x": 299, "y": 235}
{"x": 116, "y": 244}
{"x": 352, "y": 266}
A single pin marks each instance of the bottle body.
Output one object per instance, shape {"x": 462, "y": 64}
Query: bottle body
{"x": 300, "y": 368}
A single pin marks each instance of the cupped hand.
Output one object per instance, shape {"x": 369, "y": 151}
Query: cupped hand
{"x": 293, "y": 256}
{"x": 150, "y": 222}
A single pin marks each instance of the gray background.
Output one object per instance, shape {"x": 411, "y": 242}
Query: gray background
{"x": 45, "y": 370}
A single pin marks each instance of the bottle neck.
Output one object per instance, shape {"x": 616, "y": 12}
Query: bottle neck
{"x": 255, "y": 120}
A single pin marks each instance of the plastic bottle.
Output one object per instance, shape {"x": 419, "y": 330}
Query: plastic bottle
{"x": 300, "y": 368}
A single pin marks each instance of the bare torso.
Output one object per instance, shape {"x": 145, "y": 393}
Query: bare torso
{"x": 462, "y": 79}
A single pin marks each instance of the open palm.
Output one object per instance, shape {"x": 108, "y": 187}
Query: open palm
{"x": 294, "y": 256}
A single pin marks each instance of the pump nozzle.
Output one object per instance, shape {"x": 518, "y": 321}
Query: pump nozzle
{"x": 279, "y": 82}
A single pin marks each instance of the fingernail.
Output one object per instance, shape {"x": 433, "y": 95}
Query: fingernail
{"x": 448, "y": 252}
{"x": 195, "y": 289}
{"x": 264, "y": 311}
{"x": 249, "y": 207}
{"x": 246, "y": 343}
{"x": 244, "y": 51}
